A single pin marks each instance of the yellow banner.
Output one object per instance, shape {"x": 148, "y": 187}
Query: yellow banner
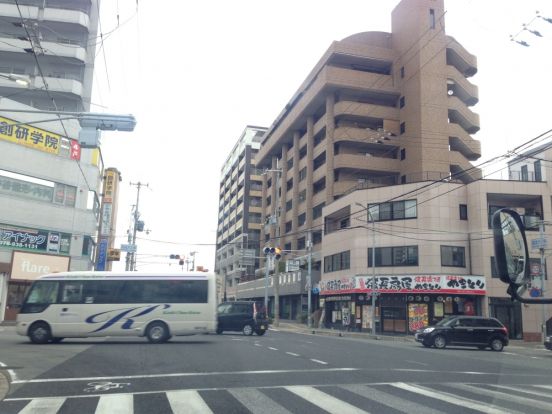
{"x": 29, "y": 136}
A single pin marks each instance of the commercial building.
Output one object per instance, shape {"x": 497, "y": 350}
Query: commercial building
{"x": 239, "y": 218}
{"x": 49, "y": 191}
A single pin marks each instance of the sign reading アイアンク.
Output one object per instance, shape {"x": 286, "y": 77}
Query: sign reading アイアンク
{"x": 471, "y": 285}
{"x": 29, "y": 136}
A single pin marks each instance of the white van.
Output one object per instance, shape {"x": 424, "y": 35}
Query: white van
{"x": 96, "y": 304}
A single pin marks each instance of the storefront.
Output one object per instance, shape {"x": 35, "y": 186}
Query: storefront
{"x": 404, "y": 303}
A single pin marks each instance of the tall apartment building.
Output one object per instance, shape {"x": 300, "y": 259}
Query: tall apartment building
{"x": 64, "y": 35}
{"x": 378, "y": 109}
{"x": 239, "y": 219}
{"x": 49, "y": 186}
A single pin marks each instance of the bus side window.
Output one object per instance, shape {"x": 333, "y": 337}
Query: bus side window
{"x": 71, "y": 292}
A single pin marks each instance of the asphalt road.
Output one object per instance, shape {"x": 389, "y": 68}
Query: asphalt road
{"x": 280, "y": 372}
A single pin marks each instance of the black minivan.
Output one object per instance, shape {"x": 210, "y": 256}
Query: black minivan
{"x": 244, "y": 316}
{"x": 477, "y": 331}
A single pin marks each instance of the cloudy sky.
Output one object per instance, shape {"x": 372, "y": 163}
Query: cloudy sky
{"x": 195, "y": 73}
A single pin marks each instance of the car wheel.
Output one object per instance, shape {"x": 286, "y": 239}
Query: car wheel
{"x": 261, "y": 332}
{"x": 57, "y": 340}
{"x": 219, "y": 330}
{"x": 247, "y": 330}
{"x": 39, "y": 333}
{"x": 497, "y": 344}
{"x": 439, "y": 342}
{"x": 157, "y": 332}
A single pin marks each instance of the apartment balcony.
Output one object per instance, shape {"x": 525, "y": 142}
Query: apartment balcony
{"x": 461, "y": 87}
{"x": 460, "y": 58}
{"x": 9, "y": 44}
{"x": 459, "y": 113}
{"x": 365, "y": 163}
{"x": 76, "y": 17}
{"x": 462, "y": 169}
{"x": 70, "y": 86}
{"x": 364, "y": 110}
{"x": 461, "y": 141}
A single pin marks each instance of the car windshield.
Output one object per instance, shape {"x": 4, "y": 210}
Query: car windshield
{"x": 274, "y": 206}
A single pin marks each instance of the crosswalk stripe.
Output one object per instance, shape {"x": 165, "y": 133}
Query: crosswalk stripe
{"x": 502, "y": 396}
{"x": 448, "y": 398}
{"x": 548, "y": 387}
{"x": 187, "y": 402}
{"x": 325, "y": 401}
{"x": 43, "y": 406}
{"x": 397, "y": 403}
{"x": 115, "y": 404}
{"x": 257, "y": 402}
{"x": 522, "y": 390}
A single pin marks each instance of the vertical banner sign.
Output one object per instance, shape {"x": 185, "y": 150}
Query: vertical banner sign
{"x": 107, "y": 212}
{"x": 102, "y": 255}
{"x": 75, "y": 150}
{"x": 417, "y": 316}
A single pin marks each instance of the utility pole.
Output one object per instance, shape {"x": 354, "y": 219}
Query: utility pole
{"x": 542, "y": 275}
{"x": 277, "y": 243}
{"x": 309, "y": 280}
{"x": 138, "y": 185}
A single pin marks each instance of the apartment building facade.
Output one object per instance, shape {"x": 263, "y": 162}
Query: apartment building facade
{"x": 434, "y": 256}
{"x": 239, "y": 218}
{"x": 50, "y": 186}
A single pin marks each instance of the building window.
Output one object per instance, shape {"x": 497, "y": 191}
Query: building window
{"x": 316, "y": 237}
{"x": 290, "y": 163}
{"x": 317, "y": 211}
{"x": 267, "y": 237}
{"x": 301, "y": 219}
{"x": 538, "y": 171}
{"x": 319, "y": 138}
{"x": 403, "y": 179}
{"x": 289, "y": 184}
{"x": 301, "y": 243}
{"x": 396, "y": 210}
{"x": 401, "y": 102}
{"x": 403, "y": 127}
{"x": 287, "y": 247}
{"x": 289, "y": 205}
{"x": 65, "y": 194}
{"x": 288, "y": 226}
{"x": 453, "y": 256}
{"x": 302, "y": 196}
{"x": 431, "y": 19}
{"x": 494, "y": 269}
{"x": 338, "y": 261}
{"x": 302, "y": 174}
{"x": 394, "y": 256}
{"x": 318, "y": 186}
{"x": 319, "y": 161}
{"x": 303, "y": 152}
{"x": 463, "y": 211}
{"x": 524, "y": 173}
{"x": 402, "y": 71}
{"x": 268, "y": 200}
{"x": 403, "y": 154}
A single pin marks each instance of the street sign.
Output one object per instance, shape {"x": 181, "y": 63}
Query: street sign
{"x": 128, "y": 248}
{"x": 102, "y": 255}
{"x": 292, "y": 265}
{"x": 113, "y": 255}
{"x": 540, "y": 243}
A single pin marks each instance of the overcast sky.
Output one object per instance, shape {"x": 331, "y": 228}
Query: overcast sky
{"x": 195, "y": 73}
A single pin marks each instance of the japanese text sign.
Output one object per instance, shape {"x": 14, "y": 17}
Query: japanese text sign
{"x": 29, "y": 136}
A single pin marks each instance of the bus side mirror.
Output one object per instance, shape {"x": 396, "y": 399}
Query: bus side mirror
{"x": 512, "y": 254}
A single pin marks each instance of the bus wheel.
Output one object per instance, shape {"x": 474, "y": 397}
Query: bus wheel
{"x": 157, "y": 332}
{"x": 39, "y": 333}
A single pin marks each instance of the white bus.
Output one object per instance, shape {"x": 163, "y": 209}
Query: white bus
{"x": 96, "y": 304}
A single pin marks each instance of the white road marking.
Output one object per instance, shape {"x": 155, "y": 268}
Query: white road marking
{"x": 274, "y": 329}
{"x": 43, "y": 406}
{"x": 187, "y": 401}
{"x": 115, "y": 404}
{"x": 257, "y": 344}
{"x": 13, "y": 375}
{"x": 237, "y": 339}
{"x": 520, "y": 389}
{"x": 325, "y": 401}
{"x": 181, "y": 374}
{"x": 504, "y": 396}
{"x": 272, "y": 349}
{"x": 257, "y": 402}
{"x": 449, "y": 398}
{"x": 292, "y": 354}
{"x": 548, "y": 387}
{"x": 416, "y": 362}
{"x": 318, "y": 361}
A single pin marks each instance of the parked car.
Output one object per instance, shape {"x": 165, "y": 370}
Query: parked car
{"x": 475, "y": 331}
{"x": 548, "y": 342}
{"x": 247, "y": 317}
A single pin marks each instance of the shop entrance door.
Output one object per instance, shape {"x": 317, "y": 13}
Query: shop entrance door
{"x": 16, "y": 294}
{"x": 394, "y": 319}
{"x": 510, "y": 315}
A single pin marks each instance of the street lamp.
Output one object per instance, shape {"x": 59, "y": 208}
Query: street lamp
{"x": 17, "y": 79}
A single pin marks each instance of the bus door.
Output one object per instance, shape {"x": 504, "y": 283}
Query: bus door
{"x": 67, "y": 315}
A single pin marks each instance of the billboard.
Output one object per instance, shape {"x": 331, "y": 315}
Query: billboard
{"x": 29, "y": 266}
{"x": 29, "y": 136}
{"x": 37, "y": 240}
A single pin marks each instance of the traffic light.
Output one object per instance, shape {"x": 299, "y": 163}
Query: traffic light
{"x": 277, "y": 253}
{"x": 181, "y": 262}
{"x": 266, "y": 250}
{"x": 174, "y": 256}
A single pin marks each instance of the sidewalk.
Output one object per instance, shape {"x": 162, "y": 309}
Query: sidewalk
{"x": 293, "y": 326}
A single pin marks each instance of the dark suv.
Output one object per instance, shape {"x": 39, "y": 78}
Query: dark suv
{"x": 475, "y": 331}
{"x": 247, "y": 317}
